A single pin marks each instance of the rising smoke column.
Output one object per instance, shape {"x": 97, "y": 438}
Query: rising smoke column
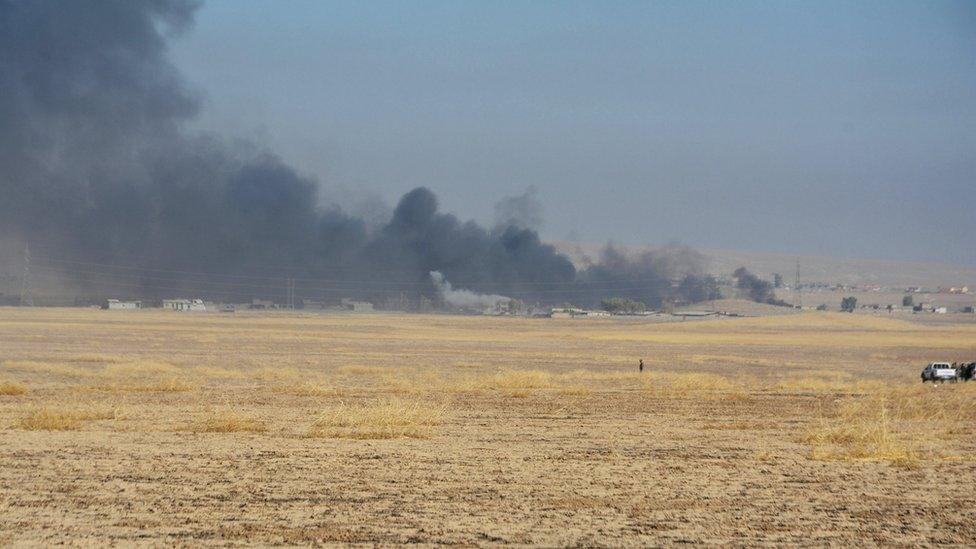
{"x": 647, "y": 277}
{"x": 98, "y": 167}
{"x": 465, "y": 298}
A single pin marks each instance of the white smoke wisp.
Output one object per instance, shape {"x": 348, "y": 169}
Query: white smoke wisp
{"x": 465, "y": 298}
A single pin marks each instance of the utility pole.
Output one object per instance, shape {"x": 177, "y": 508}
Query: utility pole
{"x": 290, "y": 293}
{"x": 797, "y": 297}
{"x": 26, "y": 294}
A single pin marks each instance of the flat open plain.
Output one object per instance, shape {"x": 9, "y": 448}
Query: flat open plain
{"x": 151, "y": 427}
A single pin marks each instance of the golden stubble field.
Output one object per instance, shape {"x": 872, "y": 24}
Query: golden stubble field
{"x": 151, "y": 427}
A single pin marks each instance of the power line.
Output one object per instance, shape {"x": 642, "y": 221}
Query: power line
{"x": 355, "y": 283}
{"x": 797, "y": 297}
{"x": 26, "y": 294}
{"x": 272, "y": 289}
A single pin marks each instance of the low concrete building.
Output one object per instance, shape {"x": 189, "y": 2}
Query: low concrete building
{"x": 357, "y": 306}
{"x": 184, "y": 304}
{"x": 119, "y": 305}
{"x": 695, "y": 314}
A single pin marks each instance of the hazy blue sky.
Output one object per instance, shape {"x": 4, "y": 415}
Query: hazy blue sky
{"x": 836, "y": 128}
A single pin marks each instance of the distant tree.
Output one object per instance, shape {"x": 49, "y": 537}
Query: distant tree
{"x": 695, "y": 289}
{"x": 777, "y": 280}
{"x": 848, "y": 304}
{"x": 619, "y": 305}
{"x": 907, "y": 301}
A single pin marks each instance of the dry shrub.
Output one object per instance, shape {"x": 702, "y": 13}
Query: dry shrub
{"x": 462, "y": 384}
{"x": 95, "y": 357}
{"x": 229, "y": 421}
{"x": 275, "y": 373}
{"x": 11, "y": 388}
{"x": 511, "y": 382}
{"x": 143, "y": 376}
{"x": 381, "y": 419}
{"x": 418, "y": 382}
{"x": 47, "y": 368}
{"x": 308, "y": 389}
{"x": 691, "y": 384}
{"x": 870, "y": 437}
{"x": 360, "y": 370}
{"x": 521, "y": 380}
{"x": 140, "y": 368}
{"x": 166, "y": 385}
{"x": 217, "y": 371}
{"x": 900, "y": 425}
{"x": 65, "y": 419}
{"x": 591, "y": 375}
{"x": 824, "y": 385}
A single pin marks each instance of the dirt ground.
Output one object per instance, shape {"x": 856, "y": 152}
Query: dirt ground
{"x": 163, "y": 428}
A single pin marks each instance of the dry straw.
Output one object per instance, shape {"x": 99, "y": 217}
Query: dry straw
{"x": 387, "y": 418}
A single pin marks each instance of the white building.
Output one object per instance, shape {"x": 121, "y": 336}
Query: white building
{"x": 357, "y": 306}
{"x": 118, "y": 305}
{"x": 184, "y": 304}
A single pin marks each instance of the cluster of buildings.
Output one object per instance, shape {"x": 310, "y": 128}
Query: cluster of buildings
{"x": 255, "y": 304}
{"x": 170, "y": 304}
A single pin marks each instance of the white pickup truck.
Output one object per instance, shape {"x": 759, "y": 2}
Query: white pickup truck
{"x": 939, "y": 371}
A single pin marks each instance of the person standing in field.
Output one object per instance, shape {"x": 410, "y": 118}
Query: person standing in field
{"x": 640, "y": 366}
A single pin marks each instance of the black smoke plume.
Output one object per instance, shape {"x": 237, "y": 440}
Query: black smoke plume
{"x": 117, "y": 197}
{"x": 100, "y": 172}
{"x": 649, "y": 277}
{"x": 755, "y": 288}
{"x": 523, "y": 211}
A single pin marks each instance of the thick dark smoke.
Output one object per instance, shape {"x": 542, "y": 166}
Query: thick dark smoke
{"x": 117, "y": 198}
{"x": 755, "y": 288}
{"x": 649, "y": 277}
{"x": 523, "y": 211}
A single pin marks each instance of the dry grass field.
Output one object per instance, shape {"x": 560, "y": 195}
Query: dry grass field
{"x": 161, "y": 428}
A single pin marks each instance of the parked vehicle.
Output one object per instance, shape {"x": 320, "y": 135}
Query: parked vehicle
{"x": 939, "y": 371}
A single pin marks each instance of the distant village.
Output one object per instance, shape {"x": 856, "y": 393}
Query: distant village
{"x": 876, "y": 299}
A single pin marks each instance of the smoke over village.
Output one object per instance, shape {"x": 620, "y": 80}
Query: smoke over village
{"x": 115, "y": 195}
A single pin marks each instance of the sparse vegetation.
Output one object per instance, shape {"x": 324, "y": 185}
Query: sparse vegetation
{"x": 10, "y": 388}
{"x": 308, "y": 389}
{"x": 66, "y": 418}
{"x": 229, "y": 421}
{"x": 519, "y": 383}
{"x": 171, "y": 384}
{"x": 901, "y": 425}
{"x": 380, "y": 419}
{"x": 668, "y": 384}
{"x": 47, "y": 369}
{"x": 139, "y": 368}
{"x": 413, "y": 407}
